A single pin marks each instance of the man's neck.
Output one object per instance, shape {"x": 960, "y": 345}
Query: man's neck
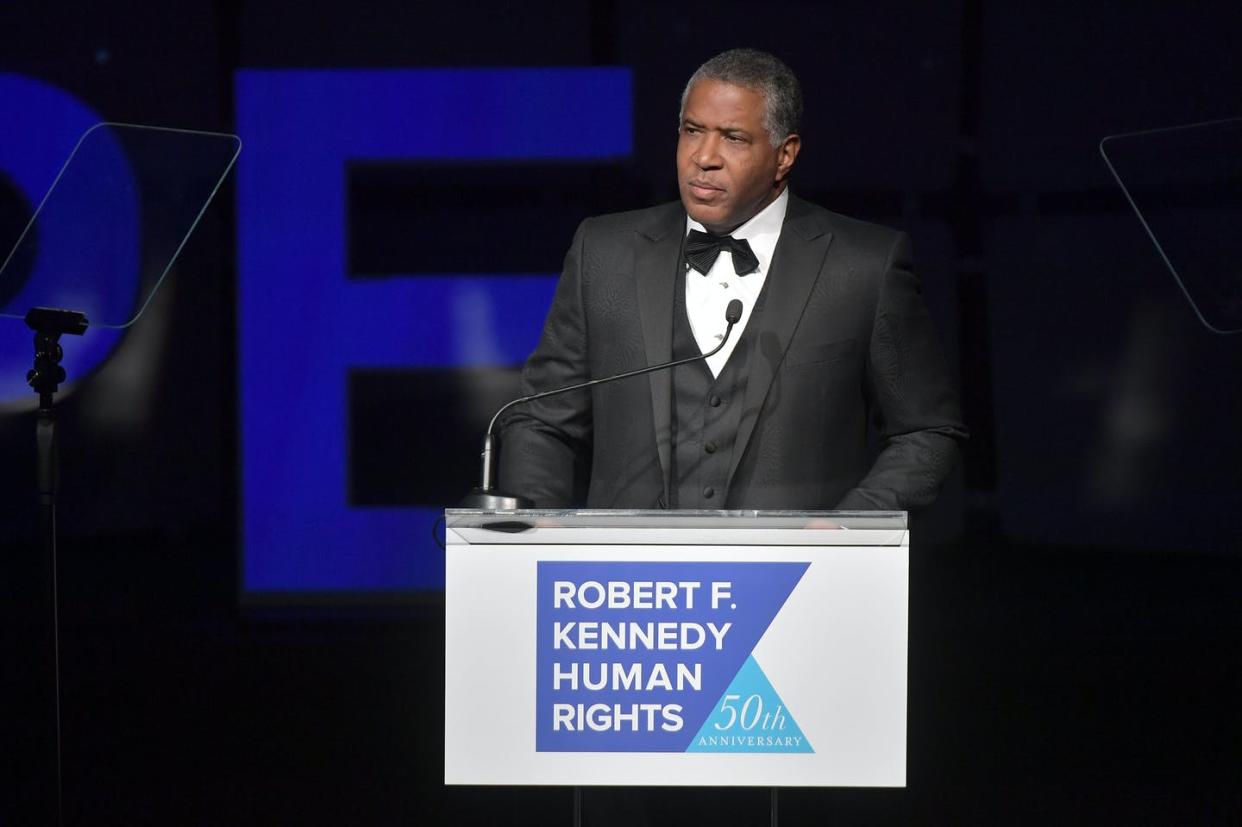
{"x": 759, "y": 222}
{"x": 775, "y": 194}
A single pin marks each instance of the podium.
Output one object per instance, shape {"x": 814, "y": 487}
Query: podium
{"x": 683, "y": 648}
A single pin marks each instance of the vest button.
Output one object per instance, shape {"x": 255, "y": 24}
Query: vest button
{"x": 710, "y": 447}
{"x": 709, "y": 492}
{"x": 714, "y": 401}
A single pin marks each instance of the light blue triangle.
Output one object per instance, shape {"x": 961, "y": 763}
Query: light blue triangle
{"x": 750, "y": 717}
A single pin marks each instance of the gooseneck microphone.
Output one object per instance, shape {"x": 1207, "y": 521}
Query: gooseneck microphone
{"x": 487, "y": 498}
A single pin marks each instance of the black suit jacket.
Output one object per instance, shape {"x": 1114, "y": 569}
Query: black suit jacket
{"x": 844, "y": 341}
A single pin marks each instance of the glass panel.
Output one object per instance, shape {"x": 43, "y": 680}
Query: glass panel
{"x": 109, "y": 229}
{"x": 1185, "y": 185}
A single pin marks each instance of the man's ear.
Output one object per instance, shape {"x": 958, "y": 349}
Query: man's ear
{"x": 786, "y": 154}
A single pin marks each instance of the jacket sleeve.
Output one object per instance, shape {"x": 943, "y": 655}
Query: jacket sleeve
{"x": 545, "y": 445}
{"x": 914, "y": 405}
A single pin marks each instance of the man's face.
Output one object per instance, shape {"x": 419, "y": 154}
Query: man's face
{"x": 727, "y": 168}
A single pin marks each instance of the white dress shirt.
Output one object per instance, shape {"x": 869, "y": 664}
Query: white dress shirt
{"x": 707, "y": 296}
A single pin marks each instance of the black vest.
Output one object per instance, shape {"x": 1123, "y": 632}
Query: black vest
{"x": 706, "y": 411}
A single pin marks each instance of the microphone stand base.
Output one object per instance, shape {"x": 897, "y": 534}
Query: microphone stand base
{"x": 491, "y": 500}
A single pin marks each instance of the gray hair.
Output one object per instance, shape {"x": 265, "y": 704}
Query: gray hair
{"x": 765, "y": 73}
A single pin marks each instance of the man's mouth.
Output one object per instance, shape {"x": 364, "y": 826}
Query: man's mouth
{"x": 703, "y": 190}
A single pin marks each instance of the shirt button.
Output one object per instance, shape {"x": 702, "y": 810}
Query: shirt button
{"x": 710, "y": 447}
{"x": 714, "y": 401}
{"x": 709, "y": 492}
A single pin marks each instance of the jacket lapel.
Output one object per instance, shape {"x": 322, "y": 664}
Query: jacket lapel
{"x": 796, "y": 265}
{"x": 655, "y": 263}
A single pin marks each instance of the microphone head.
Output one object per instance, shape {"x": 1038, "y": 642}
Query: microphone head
{"x": 733, "y": 313}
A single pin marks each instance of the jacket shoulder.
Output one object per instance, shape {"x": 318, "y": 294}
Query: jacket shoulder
{"x": 651, "y": 221}
{"x": 852, "y": 233}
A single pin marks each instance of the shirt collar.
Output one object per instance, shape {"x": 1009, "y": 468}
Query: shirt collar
{"x": 761, "y": 231}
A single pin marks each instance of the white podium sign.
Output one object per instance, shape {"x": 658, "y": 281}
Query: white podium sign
{"x": 676, "y": 648}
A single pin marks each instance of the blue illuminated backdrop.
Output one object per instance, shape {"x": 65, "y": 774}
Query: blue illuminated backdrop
{"x": 305, "y": 324}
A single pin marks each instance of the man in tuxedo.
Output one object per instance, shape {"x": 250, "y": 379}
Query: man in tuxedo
{"x": 834, "y": 338}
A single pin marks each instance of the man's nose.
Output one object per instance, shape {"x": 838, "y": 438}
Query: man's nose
{"x": 708, "y": 155}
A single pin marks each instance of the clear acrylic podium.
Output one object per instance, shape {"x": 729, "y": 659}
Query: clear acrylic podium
{"x": 683, "y": 648}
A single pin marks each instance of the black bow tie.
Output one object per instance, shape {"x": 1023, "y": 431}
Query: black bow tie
{"x": 702, "y": 249}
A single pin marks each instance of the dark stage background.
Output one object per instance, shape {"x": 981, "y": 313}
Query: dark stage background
{"x": 1076, "y": 634}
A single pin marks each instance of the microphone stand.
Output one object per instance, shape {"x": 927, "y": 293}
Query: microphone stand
{"x": 486, "y": 498}
{"x": 49, "y": 324}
